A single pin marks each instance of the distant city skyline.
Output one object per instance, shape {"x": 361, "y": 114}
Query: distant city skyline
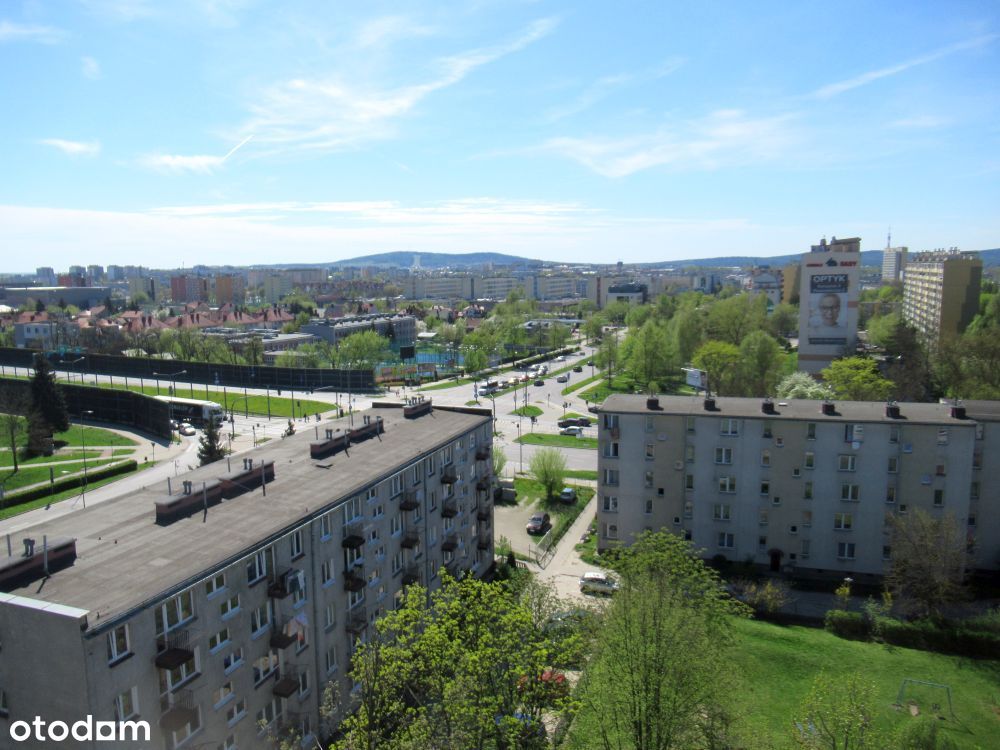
{"x": 241, "y": 133}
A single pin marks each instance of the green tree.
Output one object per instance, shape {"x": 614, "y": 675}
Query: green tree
{"x": 593, "y": 327}
{"x": 608, "y": 356}
{"x": 733, "y": 318}
{"x": 361, "y": 351}
{"x": 969, "y": 366}
{"x": 802, "y": 385}
{"x": 639, "y": 690}
{"x": 210, "y": 444}
{"x": 649, "y": 353}
{"x": 784, "y": 319}
{"x": 14, "y": 406}
{"x": 929, "y": 562}
{"x": 839, "y": 714}
{"x": 47, "y": 413}
{"x": 549, "y": 467}
{"x": 762, "y": 361}
{"x": 857, "y": 379}
{"x": 687, "y": 329}
{"x": 253, "y": 350}
{"x": 721, "y": 360}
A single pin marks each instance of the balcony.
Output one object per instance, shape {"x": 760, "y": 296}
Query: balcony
{"x": 409, "y": 501}
{"x": 354, "y": 578}
{"x": 483, "y": 514}
{"x": 483, "y": 453}
{"x": 177, "y": 709}
{"x": 287, "y": 684}
{"x": 411, "y": 538}
{"x": 411, "y": 574}
{"x": 280, "y": 639}
{"x": 285, "y": 584}
{"x": 353, "y": 535}
{"x": 449, "y": 543}
{"x": 449, "y": 508}
{"x": 453, "y": 568}
{"x": 483, "y": 542}
{"x": 174, "y": 648}
{"x": 357, "y": 621}
{"x": 448, "y": 475}
{"x": 483, "y": 484}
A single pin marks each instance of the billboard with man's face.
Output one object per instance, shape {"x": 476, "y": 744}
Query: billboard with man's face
{"x": 827, "y": 324}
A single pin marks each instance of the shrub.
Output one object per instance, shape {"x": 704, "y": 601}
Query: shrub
{"x": 70, "y": 483}
{"x": 846, "y": 624}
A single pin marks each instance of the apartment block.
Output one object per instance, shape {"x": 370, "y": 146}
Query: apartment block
{"x": 229, "y": 289}
{"x": 188, "y": 288}
{"x": 941, "y": 293}
{"x": 804, "y": 487}
{"x": 231, "y": 596}
{"x": 401, "y": 330}
{"x": 277, "y": 286}
{"x": 828, "y": 302}
{"x": 439, "y": 287}
{"x": 893, "y": 264}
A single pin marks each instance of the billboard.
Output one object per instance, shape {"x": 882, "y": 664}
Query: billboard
{"x": 827, "y": 301}
{"x": 696, "y": 378}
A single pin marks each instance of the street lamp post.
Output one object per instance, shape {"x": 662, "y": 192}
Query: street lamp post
{"x": 173, "y": 378}
{"x": 83, "y": 441}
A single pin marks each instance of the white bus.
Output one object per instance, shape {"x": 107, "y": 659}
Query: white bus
{"x": 192, "y": 410}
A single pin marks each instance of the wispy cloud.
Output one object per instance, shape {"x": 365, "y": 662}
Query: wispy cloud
{"x": 921, "y": 122}
{"x": 90, "y": 68}
{"x": 333, "y": 114}
{"x": 607, "y": 85}
{"x": 73, "y": 148}
{"x": 16, "y": 32}
{"x": 386, "y": 30}
{"x": 835, "y": 89}
{"x": 198, "y": 164}
{"x": 724, "y": 138}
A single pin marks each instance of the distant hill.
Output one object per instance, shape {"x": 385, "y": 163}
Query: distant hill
{"x": 437, "y": 260}
{"x": 868, "y": 258}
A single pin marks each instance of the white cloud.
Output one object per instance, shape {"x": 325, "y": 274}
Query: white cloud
{"x": 334, "y": 114}
{"x": 724, "y": 138}
{"x": 921, "y": 122}
{"x": 606, "y": 85}
{"x": 198, "y": 164}
{"x": 90, "y": 68}
{"x": 16, "y": 32}
{"x": 834, "y": 89}
{"x": 386, "y": 30}
{"x": 73, "y": 148}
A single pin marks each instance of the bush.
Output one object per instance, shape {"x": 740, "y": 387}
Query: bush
{"x": 846, "y": 624}
{"x": 70, "y": 483}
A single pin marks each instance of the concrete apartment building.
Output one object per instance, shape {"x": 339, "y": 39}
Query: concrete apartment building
{"x": 941, "y": 293}
{"x": 231, "y": 602}
{"x": 277, "y": 286}
{"x": 893, "y": 264}
{"x": 400, "y": 329}
{"x": 188, "y": 288}
{"x": 802, "y": 487}
{"x": 229, "y": 289}
{"x": 828, "y": 302}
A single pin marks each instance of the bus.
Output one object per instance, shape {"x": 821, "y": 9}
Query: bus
{"x": 192, "y": 410}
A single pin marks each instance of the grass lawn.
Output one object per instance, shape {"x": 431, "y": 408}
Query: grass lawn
{"x": 527, "y": 411}
{"x": 557, "y": 441}
{"x": 6, "y": 459}
{"x": 35, "y": 474}
{"x": 66, "y": 494}
{"x": 581, "y": 474}
{"x": 530, "y": 492}
{"x": 579, "y": 384}
{"x": 625, "y": 383}
{"x": 76, "y": 435}
{"x": 779, "y": 663}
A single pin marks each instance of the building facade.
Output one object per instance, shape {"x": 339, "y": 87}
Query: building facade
{"x": 209, "y": 626}
{"x": 800, "y": 487}
{"x": 941, "y": 293}
{"x": 400, "y": 329}
{"x": 893, "y": 264}
{"x": 188, "y": 288}
{"x": 828, "y": 302}
{"x": 230, "y": 289}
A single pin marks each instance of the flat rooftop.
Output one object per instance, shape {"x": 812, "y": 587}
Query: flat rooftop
{"x": 797, "y": 409}
{"x": 125, "y": 561}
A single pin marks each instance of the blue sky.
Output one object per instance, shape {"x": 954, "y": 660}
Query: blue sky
{"x": 236, "y": 131}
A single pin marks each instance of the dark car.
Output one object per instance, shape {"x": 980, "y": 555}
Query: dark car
{"x": 538, "y": 523}
{"x": 593, "y": 408}
{"x": 539, "y": 382}
{"x": 578, "y": 368}
{"x": 568, "y": 495}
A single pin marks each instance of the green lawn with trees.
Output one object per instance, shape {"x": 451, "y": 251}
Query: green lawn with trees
{"x": 557, "y": 441}
{"x": 527, "y": 411}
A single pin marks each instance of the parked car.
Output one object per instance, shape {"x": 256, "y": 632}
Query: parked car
{"x": 574, "y": 431}
{"x": 593, "y": 408}
{"x": 561, "y": 358}
{"x": 567, "y": 422}
{"x": 578, "y": 368}
{"x": 174, "y": 425}
{"x": 538, "y": 523}
{"x": 595, "y": 582}
{"x": 562, "y": 379}
{"x": 584, "y": 421}
{"x": 590, "y": 363}
{"x": 568, "y": 495}
{"x": 539, "y": 382}
{"x": 186, "y": 429}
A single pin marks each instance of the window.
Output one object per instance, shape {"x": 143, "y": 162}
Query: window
{"x": 974, "y": 491}
{"x": 762, "y": 517}
{"x": 265, "y": 666}
{"x": 379, "y": 510}
{"x": 893, "y": 435}
{"x": 650, "y": 451}
{"x": 854, "y": 433}
{"x": 776, "y": 500}
{"x": 296, "y": 542}
{"x": 611, "y": 450}
{"x": 326, "y": 571}
{"x": 688, "y": 509}
{"x": 127, "y": 704}
{"x": 729, "y": 427}
{"x": 942, "y": 436}
{"x": 371, "y": 494}
{"x": 325, "y": 526}
{"x": 902, "y": 508}
{"x": 171, "y": 679}
{"x": 331, "y": 659}
{"x": 215, "y": 584}
{"x": 689, "y": 423}
{"x": 843, "y": 521}
{"x": 303, "y": 683}
{"x": 972, "y": 520}
{"x": 429, "y": 463}
{"x": 807, "y": 490}
{"x": 766, "y": 429}
{"x": 810, "y": 460}
{"x": 610, "y": 531}
{"x": 611, "y": 476}
{"x": 179, "y": 736}
{"x": 610, "y": 421}
{"x": 886, "y": 552}
{"x": 761, "y": 543}
{"x": 723, "y": 455}
{"x": 352, "y": 510}
{"x": 649, "y": 507}
{"x": 811, "y": 431}
{"x": 446, "y": 457}
{"x": 850, "y": 492}
{"x": 118, "y": 644}
{"x": 727, "y": 540}
{"x": 232, "y": 660}
{"x": 846, "y": 462}
{"x": 229, "y": 607}
{"x": 793, "y": 529}
{"x": 727, "y": 484}
{"x": 845, "y": 550}
{"x": 217, "y": 640}
{"x": 977, "y": 460}
{"x": 267, "y": 715}
{"x": 260, "y": 619}
{"x": 256, "y": 567}
{"x": 939, "y": 470}
{"x": 893, "y": 465}
{"x": 765, "y": 488}
{"x": 223, "y": 695}
{"x": 721, "y": 512}
{"x": 689, "y": 454}
{"x": 938, "y": 498}
{"x": 807, "y": 518}
{"x": 649, "y": 479}
{"x": 329, "y": 616}
{"x": 689, "y": 481}
{"x": 804, "y": 548}
{"x": 395, "y": 525}
{"x": 236, "y": 712}
{"x": 649, "y": 423}
{"x": 174, "y": 612}
{"x": 396, "y": 484}
{"x": 765, "y": 458}
{"x": 890, "y": 494}
{"x": 610, "y": 504}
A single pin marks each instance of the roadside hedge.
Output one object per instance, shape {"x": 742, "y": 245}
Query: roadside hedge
{"x": 949, "y": 637}
{"x": 69, "y": 483}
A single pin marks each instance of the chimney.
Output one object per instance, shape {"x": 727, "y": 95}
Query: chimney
{"x": 653, "y": 403}
{"x": 767, "y": 406}
{"x": 892, "y": 410}
{"x": 29, "y": 546}
{"x": 957, "y": 411}
{"x": 828, "y": 408}
{"x": 709, "y": 403}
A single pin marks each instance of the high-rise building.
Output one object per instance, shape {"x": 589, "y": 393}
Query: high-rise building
{"x": 230, "y": 289}
{"x": 142, "y": 285}
{"x": 188, "y": 288}
{"x": 893, "y": 264}
{"x": 277, "y": 286}
{"x": 225, "y": 601}
{"x": 941, "y": 293}
{"x": 828, "y": 302}
{"x": 803, "y": 486}
{"x": 45, "y": 276}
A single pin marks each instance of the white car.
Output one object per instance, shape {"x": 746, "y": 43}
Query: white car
{"x": 574, "y": 431}
{"x": 187, "y": 430}
{"x": 595, "y": 582}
